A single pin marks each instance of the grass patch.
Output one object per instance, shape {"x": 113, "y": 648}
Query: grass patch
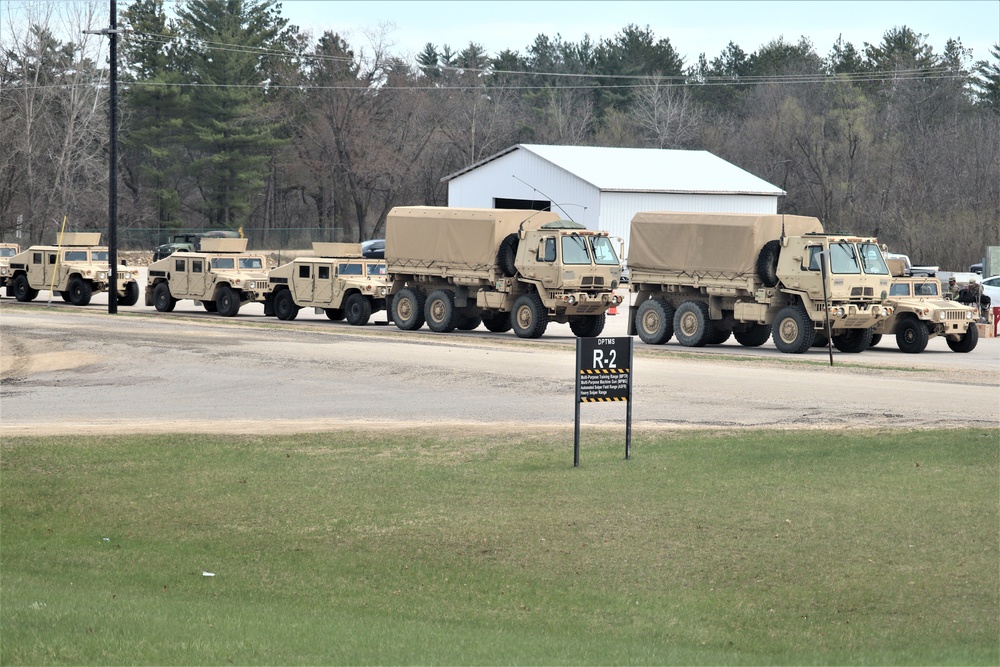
{"x": 705, "y": 548}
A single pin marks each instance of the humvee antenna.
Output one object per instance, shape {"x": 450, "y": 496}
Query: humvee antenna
{"x": 559, "y": 206}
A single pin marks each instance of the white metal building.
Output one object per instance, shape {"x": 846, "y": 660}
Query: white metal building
{"x": 602, "y": 188}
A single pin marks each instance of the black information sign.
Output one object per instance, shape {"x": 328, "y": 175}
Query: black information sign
{"x": 603, "y": 374}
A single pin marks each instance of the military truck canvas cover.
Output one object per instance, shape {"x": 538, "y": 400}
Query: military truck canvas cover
{"x": 224, "y": 245}
{"x": 337, "y": 249}
{"x": 708, "y": 242}
{"x": 80, "y": 238}
{"x": 459, "y": 238}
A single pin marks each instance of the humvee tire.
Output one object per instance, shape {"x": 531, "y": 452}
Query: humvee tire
{"x": 335, "y": 314}
{"x": 80, "y": 291}
{"x": 767, "y": 263}
{"x": 131, "y": 294}
{"x": 284, "y": 306}
{"x": 692, "y": 324}
{"x": 793, "y": 332}
{"x": 654, "y": 320}
{"x": 912, "y": 335}
{"x": 210, "y": 306}
{"x": 439, "y": 311}
{"x": 468, "y": 322}
{"x": 496, "y": 322}
{"x": 820, "y": 340}
{"x": 64, "y": 295}
{"x": 22, "y": 290}
{"x": 588, "y": 326}
{"x": 408, "y": 309}
{"x": 507, "y": 254}
{"x": 358, "y": 310}
{"x": 162, "y": 300}
{"x": 227, "y": 301}
{"x": 853, "y": 341}
{"x": 967, "y": 343}
{"x": 876, "y": 339}
{"x": 755, "y": 336}
{"x": 529, "y": 317}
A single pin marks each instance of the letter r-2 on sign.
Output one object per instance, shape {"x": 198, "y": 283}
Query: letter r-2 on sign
{"x": 603, "y": 374}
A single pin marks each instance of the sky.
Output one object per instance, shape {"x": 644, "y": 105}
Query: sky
{"x": 692, "y": 27}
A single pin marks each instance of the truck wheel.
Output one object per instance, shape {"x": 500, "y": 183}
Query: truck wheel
{"x": 876, "y": 339}
{"x": 793, "y": 332}
{"x": 853, "y": 340}
{"x": 529, "y": 317}
{"x": 408, "y": 309}
{"x": 755, "y": 336}
{"x": 654, "y": 320}
{"x": 80, "y": 291}
{"x": 162, "y": 300}
{"x": 507, "y": 254}
{"x": 468, "y": 322}
{"x": 64, "y": 295}
{"x": 439, "y": 311}
{"x": 966, "y": 343}
{"x": 767, "y": 263}
{"x": 210, "y": 306}
{"x": 719, "y": 336}
{"x": 820, "y": 340}
{"x": 227, "y": 302}
{"x": 22, "y": 290}
{"x": 587, "y": 326}
{"x": 692, "y": 324}
{"x": 131, "y": 294}
{"x": 335, "y": 314}
{"x": 358, "y": 310}
{"x": 284, "y": 306}
{"x": 912, "y": 335}
{"x": 496, "y": 322}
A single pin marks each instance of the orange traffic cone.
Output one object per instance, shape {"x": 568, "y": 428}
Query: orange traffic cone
{"x": 613, "y": 310}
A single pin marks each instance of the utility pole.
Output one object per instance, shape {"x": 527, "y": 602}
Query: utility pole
{"x": 112, "y": 33}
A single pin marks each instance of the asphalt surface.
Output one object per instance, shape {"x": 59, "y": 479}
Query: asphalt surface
{"x": 70, "y": 370}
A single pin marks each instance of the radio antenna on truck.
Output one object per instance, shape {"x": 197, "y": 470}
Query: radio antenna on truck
{"x": 552, "y": 203}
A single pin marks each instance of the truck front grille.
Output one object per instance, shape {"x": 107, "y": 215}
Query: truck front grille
{"x": 862, "y": 291}
{"x": 592, "y": 280}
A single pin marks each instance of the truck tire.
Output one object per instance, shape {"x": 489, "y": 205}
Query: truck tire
{"x": 22, "y": 290}
{"x": 64, "y": 295}
{"x": 755, "y": 336}
{"x": 80, "y": 291}
{"x": 767, "y": 263}
{"x": 793, "y": 332}
{"x": 210, "y": 306}
{"x": 358, "y": 310}
{"x": 334, "y": 314}
{"x": 227, "y": 302}
{"x": 853, "y": 341}
{"x": 496, "y": 322}
{"x": 529, "y": 317}
{"x": 876, "y": 339}
{"x": 966, "y": 343}
{"x": 719, "y": 336}
{"x": 468, "y": 322}
{"x": 912, "y": 335}
{"x": 692, "y": 324}
{"x": 440, "y": 312}
{"x": 587, "y": 326}
{"x": 408, "y": 309}
{"x": 654, "y": 320}
{"x": 131, "y": 294}
{"x": 507, "y": 254}
{"x": 162, "y": 300}
{"x": 284, "y": 305}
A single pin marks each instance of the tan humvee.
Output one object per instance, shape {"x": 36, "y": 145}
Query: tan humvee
{"x": 337, "y": 281}
{"x": 920, "y": 313}
{"x": 221, "y": 277}
{"x": 75, "y": 269}
{"x": 7, "y": 250}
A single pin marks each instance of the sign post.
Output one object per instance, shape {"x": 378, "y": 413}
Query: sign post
{"x": 603, "y": 375}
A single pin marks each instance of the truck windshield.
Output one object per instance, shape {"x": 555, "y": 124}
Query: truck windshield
{"x": 223, "y": 263}
{"x": 604, "y": 252}
{"x": 7, "y": 252}
{"x": 873, "y": 260}
{"x": 251, "y": 263}
{"x": 899, "y": 289}
{"x": 99, "y": 256}
{"x": 376, "y": 269}
{"x": 926, "y": 289}
{"x": 75, "y": 256}
{"x": 574, "y": 250}
{"x": 844, "y": 258}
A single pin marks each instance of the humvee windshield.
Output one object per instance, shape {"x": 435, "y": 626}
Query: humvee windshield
{"x": 376, "y": 269}
{"x": 75, "y": 256}
{"x": 926, "y": 289}
{"x": 223, "y": 262}
{"x": 351, "y": 270}
{"x": 604, "y": 252}
{"x": 7, "y": 252}
{"x": 251, "y": 263}
{"x": 99, "y": 256}
{"x": 900, "y": 289}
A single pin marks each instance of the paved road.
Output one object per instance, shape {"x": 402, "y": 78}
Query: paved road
{"x": 71, "y": 370}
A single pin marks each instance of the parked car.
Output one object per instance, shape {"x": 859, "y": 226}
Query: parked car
{"x": 976, "y": 268}
{"x": 374, "y": 249}
{"x": 991, "y": 288}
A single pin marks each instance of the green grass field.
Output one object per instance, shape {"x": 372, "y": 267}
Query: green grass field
{"x": 393, "y": 548}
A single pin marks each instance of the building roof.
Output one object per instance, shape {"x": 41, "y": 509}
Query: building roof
{"x": 644, "y": 169}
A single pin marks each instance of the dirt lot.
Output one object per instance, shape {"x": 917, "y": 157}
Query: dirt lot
{"x": 66, "y": 370}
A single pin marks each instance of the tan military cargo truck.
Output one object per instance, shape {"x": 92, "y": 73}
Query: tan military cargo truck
{"x": 222, "y": 277}
{"x": 704, "y": 277}
{"x": 337, "y": 280}
{"x": 75, "y": 269}
{"x": 455, "y": 267}
{"x": 920, "y": 313}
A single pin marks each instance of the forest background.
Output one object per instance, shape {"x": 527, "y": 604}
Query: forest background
{"x": 230, "y": 117}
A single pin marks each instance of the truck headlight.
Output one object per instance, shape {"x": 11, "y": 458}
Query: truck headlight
{"x": 942, "y": 315}
{"x": 383, "y": 291}
{"x": 968, "y": 315}
{"x": 571, "y": 299}
{"x": 102, "y": 275}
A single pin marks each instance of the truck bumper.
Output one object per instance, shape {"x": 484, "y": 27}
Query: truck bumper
{"x": 584, "y": 303}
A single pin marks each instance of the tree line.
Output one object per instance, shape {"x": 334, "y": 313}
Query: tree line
{"x": 233, "y": 118}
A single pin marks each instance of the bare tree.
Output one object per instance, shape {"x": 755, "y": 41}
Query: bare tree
{"x": 665, "y": 113}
